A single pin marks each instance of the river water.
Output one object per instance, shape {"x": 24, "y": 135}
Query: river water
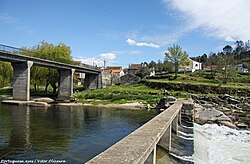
{"x": 77, "y": 134}
{"x": 74, "y": 134}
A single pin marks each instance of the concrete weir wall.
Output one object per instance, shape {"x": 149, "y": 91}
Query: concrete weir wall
{"x": 140, "y": 146}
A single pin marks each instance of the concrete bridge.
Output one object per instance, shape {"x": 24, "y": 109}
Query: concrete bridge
{"x": 21, "y": 76}
{"x": 140, "y": 146}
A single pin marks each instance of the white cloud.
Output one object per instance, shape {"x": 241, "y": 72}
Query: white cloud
{"x": 6, "y": 19}
{"x": 108, "y": 56}
{"x": 90, "y": 61}
{"x": 99, "y": 60}
{"x": 134, "y": 43}
{"x": 15, "y": 23}
{"x": 225, "y": 19}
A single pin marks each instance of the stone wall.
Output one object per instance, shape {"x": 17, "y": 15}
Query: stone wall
{"x": 109, "y": 79}
{"x": 130, "y": 79}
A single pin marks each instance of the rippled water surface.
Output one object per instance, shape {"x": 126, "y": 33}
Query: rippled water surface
{"x": 75, "y": 134}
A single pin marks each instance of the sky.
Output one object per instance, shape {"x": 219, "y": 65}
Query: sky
{"x": 124, "y": 32}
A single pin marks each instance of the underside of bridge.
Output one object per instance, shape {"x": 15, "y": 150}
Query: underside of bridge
{"x": 21, "y": 81}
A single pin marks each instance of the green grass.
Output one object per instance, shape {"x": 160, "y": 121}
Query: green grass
{"x": 120, "y": 94}
{"x": 7, "y": 91}
{"x": 240, "y": 81}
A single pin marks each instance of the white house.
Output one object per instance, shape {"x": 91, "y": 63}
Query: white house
{"x": 193, "y": 65}
{"x": 241, "y": 68}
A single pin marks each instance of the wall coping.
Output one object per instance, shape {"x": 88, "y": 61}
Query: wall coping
{"x": 137, "y": 146}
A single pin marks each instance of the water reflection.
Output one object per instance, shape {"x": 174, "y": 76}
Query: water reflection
{"x": 72, "y": 133}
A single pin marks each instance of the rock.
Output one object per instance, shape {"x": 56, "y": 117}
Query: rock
{"x": 224, "y": 109}
{"x": 241, "y": 125}
{"x": 233, "y": 101}
{"x": 203, "y": 102}
{"x": 130, "y": 79}
{"x": 210, "y": 114}
{"x": 226, "y": 96}
{"x": 165, "y": 102}
{"x": 193, "y": 96}
{"x": 228, "y": 124}
{"x": 44, "y": 99}
{"x": 166, "y": 93}
{"x": 170, "y": 99}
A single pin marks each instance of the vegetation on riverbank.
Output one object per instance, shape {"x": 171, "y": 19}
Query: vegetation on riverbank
{"x": 120, "y": 94}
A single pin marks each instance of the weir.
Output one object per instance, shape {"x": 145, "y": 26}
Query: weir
{"x": 140, "y": 146}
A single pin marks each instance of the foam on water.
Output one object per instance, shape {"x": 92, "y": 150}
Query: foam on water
{"x": 220, "y": 144}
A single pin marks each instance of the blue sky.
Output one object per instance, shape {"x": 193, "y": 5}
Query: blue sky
{"x": 125, "y": 31}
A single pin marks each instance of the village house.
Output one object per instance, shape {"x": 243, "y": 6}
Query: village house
{"x": 193, "y": 66}
{"x": 117, "y": 70}
{"x": 242, "y": 68}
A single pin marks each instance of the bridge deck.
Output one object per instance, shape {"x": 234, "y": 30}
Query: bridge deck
{"x": 12, "y": 54}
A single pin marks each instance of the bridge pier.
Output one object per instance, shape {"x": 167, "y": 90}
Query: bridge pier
{"x": 92, "y": 81}
{"x": 65, "y": 89}
{"x": 21, "y": 80}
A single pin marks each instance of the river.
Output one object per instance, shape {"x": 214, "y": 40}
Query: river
{"x": 74, "y": 134}
{"x": 77, "y": 134}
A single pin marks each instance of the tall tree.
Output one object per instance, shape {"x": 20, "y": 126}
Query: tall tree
{"x": 212, "y": 63}
{"x": 152, "y": 64}
{"x": 185, "y": 62}
{"x": 48, "y": 76}
{"x": 175, "y": 55}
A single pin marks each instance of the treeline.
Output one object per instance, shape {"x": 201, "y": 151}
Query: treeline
{"x": 240, "y": 53}
{"x": 40, "y": 76}
{"x": 224, "y": 64}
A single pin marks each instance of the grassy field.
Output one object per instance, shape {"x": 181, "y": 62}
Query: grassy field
{"x": 120, "y": 94}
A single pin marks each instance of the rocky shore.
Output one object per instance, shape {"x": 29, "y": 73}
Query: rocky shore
{"x": 225, "y": 110}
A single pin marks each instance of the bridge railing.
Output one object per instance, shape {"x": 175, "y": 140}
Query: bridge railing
{"x": 20, "y": 51}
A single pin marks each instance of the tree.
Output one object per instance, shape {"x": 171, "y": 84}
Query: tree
{"x": 6, "y": 74}
{"x": 143, "y": 72}
{"x": 175, "y": 55}
{"x": 212, "y": 63}
{"x": 227, "y": 49}
{"x": 185, "y": 61}
{"x": 159, "y": 66}
{"x": 152, "y": 64}
{"x": 48, "y": 76}
{"x": 226, "y": 64}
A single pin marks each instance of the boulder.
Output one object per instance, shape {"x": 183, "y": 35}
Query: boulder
{"x": 170, "y": 99}
{"x": 204, "y": 115}
{"x": 165, "y": 102}
{"x": 44, "y": 99}
{"x": 241, "y": 125}
{"x": 233, "y": 101}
